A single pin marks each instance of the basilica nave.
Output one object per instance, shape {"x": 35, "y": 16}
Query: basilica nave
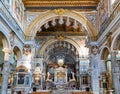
{"x": 60, "y": 46}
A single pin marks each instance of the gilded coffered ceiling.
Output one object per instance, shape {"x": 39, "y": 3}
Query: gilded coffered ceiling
{"x": 67, "y": 4}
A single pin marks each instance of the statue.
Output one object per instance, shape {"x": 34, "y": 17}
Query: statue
{"x": 95, "y": 50}
{"x": 48, "y": 76}
{"x": 73, "y": 76}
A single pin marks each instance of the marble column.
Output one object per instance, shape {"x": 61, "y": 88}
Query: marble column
{"x": 6, "y": 70}
{"x": 41, "y": 83}
{"x": 113, "y": 59}
{"x": 77, "y": 71}
{"x": 114, "y": 72}
{"x": 116, "y": 81}
{"x": 95, "y": 73}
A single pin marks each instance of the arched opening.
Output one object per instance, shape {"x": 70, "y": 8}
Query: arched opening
{"x": 62, "y": 37}
{"x": 72, "y": 52}
{"x": 3, "y": 44}
{"x": 14, "y": 57}
{"x": 106, "y": 76}
{"x": 1, "y": 59}
{"x": 56, "y": 14}
{"x": 116, "y": 47}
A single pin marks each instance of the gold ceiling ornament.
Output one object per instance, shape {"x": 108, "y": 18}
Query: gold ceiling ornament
{"x": 60, "y": 11}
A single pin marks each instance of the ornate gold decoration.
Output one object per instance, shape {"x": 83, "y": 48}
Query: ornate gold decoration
{"x": 61, "y": 74}
{"x": 60, "y": 37}
{"x": 52, "y": 3}
{"x": 60, "y": 11}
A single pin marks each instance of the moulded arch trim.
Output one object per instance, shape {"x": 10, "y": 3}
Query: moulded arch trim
{"x": 20, "y": 49}
{"x": 6, "y": 42}
{"x": 102, "y": 49}
{"x": 114, "y": 39}
{"x": 41, "y": 50}
{"x": 21, "y": 67}
{"x": 42, "y": 19}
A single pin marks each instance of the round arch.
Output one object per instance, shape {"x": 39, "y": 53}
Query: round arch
{"x": 4, "y": 36}
{"x": 42, "y": 19}
{"x": 17, "y": 52}
{"x": 115, "y": 41}
{"x": 50, "y": 41}
{"x": 21, "y": 67}
{"x": 105, "y": 51}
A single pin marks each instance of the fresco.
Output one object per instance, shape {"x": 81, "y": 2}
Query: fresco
{"x": 103, "y": 11}
{"x": 18, "y": 10}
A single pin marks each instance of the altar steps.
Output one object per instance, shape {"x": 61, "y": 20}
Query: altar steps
{"x": 61, "y": 92}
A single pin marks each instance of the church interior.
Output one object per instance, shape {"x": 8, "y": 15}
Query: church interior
{"x": 59, "y": 46}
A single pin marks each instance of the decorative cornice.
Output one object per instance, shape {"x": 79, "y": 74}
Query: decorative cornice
{"x": 60, "y": 11}
{"x": 29, "y": 4}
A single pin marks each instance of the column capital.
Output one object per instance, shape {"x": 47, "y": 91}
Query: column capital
{"x": 93, "y": 43}
{"x": 7, "y": 50}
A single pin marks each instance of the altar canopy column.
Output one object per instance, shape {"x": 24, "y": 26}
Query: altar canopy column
{"x": 115, "y": 72}
{"x": 6, "y": 70}
{"x": 77, "y": 71}
{"x": 95, "y": 73}
{"x": 41, "y": 67}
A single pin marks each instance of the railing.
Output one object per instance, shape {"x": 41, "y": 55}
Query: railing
{"x": 106, "y": 23}
{"x": 10, "y": 20}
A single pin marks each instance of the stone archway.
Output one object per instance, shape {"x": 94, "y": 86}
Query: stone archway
{"x": 50, "y": 41}
{"x": 17, "y": 52}
{"x": 4, "y": 44}
{"x": 16, "y": 55}
{"x": 105, "y": 51}
{"x": 106, "y": 75}
{"x": 42, "y": 19}
{"x": 116, "y": 43}
{"x": 5, "y": 48}
{"x": 5, "y": 37}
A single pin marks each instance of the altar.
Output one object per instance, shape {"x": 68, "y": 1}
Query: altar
{"x": 42, "y": 92}
{"x": 60, "y": 76}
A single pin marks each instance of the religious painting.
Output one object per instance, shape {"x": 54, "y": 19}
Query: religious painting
{"x": 103, "y": 10}
{"x": 18, "y": 10}
{"x": 21, "y": 78}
